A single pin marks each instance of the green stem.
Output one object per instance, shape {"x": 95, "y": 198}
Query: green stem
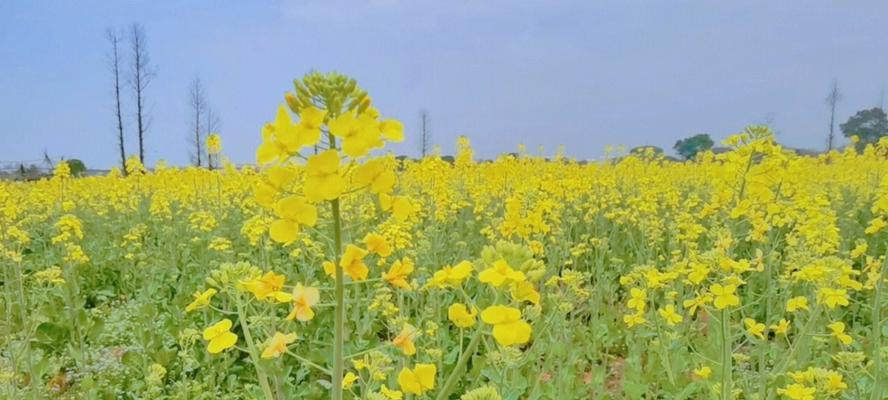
{"x": 26, "y": 323}
{"x": 8, "y": 318}
{"x": 726, "y": 386}
{"x": 339, "y": 315}
{"x": 460, "y": 364}
{"x": 877, "y": 337}
{"x": 71, "y": 294}
{"x": 801, "y": 336}
{"x": 308, "y": 362}
{"x": 251, "y": 346}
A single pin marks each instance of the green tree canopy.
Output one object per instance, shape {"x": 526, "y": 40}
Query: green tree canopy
{"x": 689, "y": 147}
{"x": 869, "y": 125}
{"x": 646, "y": 149}
{"x": 77, "y": 166}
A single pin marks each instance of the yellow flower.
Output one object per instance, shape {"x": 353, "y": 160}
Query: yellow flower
{"x": 401, "y": 207}
{"x": 295, "y": 136}
{"x": 797, "y": 391}
{"x": 219, "y": 244}
{"x": 53, "y": 275}
{"x": 374, "y": 175}
{"x": 452, "y": 276}
{"x": 460, "y": 315}
{"x": 698, "y": 273}
{"x": 398, "y": 273}
{"x": 418, "y": 380}
{"x": 329, "y": 268}
{"x": 277, "y": 345}
{"x": 781, "y": 328}
{"x": 807, "y": 376}
{"x": 832, "y": 297}
{"x": 508, "y": 327}
{"x": 699, "y": 301}
{"x": 352, "y": 263}
{"x": 404, "y": 340}
{"x": 669, "y": 315}
{"x": 835, "y": 383}
{"x": 214, "y": 144}
{"x": 859, "y": 250}
{"x": 311, "y": 119}
{"x": 875, "y": 226}
{"x": 358, "y": 134}
{"x": 201, "y": 300}
{"x": 377, "y": 244}
{"x": 499, "y": 273}
{"x": 754, "y": 328}
{"x": 322, "y": 180}
{"x": 838, "y": 331}
{"x": 281, "y": 139}
{"x": 348, "y": 380}
{"x": 634, "y": 319}
{"x": 292, "y": 211}
{"x": 265, "y": 287}
{"x": 797, "y": 303}
{"x": 390, "y": 394}
{"x": 304, "y": 298}
{"x": 392, "y": 130}
{"x": 703, "y": 372}
{"x": 723, "y": 296}
{"x": 219, "y": 336}
{"x": 524, "y": 291}
{"x": 637, "y": 299}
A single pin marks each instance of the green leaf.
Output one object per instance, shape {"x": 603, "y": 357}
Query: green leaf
{"x": 50, "y": 334}
{"x": 133, "y": 360}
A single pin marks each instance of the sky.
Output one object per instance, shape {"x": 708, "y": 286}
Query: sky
{"x": 583, "y": 74}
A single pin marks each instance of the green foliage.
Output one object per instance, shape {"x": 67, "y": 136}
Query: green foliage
{"x": 868, "y": 125}
{"x": 646, "y": 149}
{"x": 689, "y": 147}
{"x": 331, "y": 91}
{"x": 77, "y": 166}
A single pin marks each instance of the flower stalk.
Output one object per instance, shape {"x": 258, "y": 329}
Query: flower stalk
{"x": 726, "y": 384}
{"x": 876, "y": 333}
{"x": 339, "y": 313}
{"x": 254, "y": 357}
{"x": 457, "y": 372}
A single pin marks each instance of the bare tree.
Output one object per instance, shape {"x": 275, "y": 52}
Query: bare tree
{"x": 198, "y": 108}
{"x": 212, "y": 125}
{"x": 141, "y": 76}
{"x": 831, "y": 100}
{"x": 48, "y": 161}
{"x": 425, "y": 133}
{"x": 114, "y": 66}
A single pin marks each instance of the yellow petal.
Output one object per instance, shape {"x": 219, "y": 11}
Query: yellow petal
{"x": 283, "y": 231}
{"x": 221, "y": 342}
{"x": 426, "y": 375}
{"x": 392, "y": 130}
{"x": 217, "y": 329}
{"x": 408, "y": 382}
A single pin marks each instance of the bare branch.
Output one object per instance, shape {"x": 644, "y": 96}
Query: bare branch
{"x": 141, "y": 75}
{"x": 198, "y": 108}
{"x": 831, "y": 100}
{"x": 114, "y": 66}
{"x": 425, "y": 133}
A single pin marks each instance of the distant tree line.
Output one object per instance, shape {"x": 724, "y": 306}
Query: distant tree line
{"x": 867, "y": 125}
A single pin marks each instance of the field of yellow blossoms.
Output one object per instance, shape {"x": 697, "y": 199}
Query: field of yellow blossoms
{"x": 332, "y": 269}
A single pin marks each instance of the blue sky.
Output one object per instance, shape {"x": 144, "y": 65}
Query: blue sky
{"x": 580, "y": 73}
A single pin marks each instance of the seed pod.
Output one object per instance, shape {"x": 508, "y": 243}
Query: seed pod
{"x": 293, "y": 102}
